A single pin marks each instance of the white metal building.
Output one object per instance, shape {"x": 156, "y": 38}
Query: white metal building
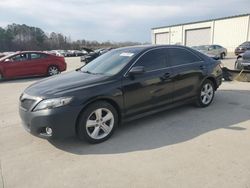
{"x": 228, "y": 32}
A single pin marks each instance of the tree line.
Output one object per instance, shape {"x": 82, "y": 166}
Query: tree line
{"x": 16, "y": 37}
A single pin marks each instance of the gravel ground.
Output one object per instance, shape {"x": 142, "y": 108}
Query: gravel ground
{"x": 183, "y": 147}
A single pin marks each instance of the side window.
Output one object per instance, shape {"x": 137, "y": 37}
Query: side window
{"x": 178, "y": 56}
{"x": 153, "y": 60}
{"x": 218, "y": 47}
{"x": 20, "y": 57}
{"x": 35, "y": 56}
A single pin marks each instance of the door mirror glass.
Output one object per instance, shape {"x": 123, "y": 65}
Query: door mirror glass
{"x": 137, "y": 70}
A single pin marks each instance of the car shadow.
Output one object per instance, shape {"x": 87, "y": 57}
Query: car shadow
{"x": 169, "y": 127}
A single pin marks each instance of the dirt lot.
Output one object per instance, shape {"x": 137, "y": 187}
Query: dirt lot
{"x": 184, "y": 147}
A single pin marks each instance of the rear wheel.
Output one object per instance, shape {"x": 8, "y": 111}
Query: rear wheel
{"x": 53, "y": 70}
{"x": 206, "y": 94}
{"x": 98, "y": 122}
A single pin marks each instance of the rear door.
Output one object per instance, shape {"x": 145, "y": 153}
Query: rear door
{"x": 151, "y": 89}
{"x": 37, "y": 63}
{"x": 188, "y": 70}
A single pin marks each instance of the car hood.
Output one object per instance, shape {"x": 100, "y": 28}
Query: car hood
{"x": 60, "y": 84}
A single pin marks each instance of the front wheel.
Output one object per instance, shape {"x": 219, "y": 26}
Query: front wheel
{"x": 98, "y": 122}
{"x": 53, "y": 70}
{"x": 206, "y": 94}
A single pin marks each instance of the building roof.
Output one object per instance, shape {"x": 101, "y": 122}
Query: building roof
{"x": 187, "y": 23}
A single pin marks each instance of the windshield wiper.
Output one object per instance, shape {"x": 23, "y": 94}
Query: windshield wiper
{"x": 87, "y": 72}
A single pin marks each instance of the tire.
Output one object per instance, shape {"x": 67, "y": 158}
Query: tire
{"x": 205, "y": 95}
{"x": 53, "y": 70}
{"x": 97, "y": 122}
{"x": 222, "y": 55}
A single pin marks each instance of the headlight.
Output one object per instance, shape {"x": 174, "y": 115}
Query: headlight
{"x": 52, "y": 103}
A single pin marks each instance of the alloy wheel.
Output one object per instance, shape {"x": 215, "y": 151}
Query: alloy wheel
{"x": 207, "y": 93}
{"x": 100, "y": 123}
{"x": 53, "y": 70}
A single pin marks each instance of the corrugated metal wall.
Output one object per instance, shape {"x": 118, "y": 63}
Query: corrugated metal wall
{"x": 162, "y": 38}
{"x": 229, "y": 32}
{"x": 196, "y": 37}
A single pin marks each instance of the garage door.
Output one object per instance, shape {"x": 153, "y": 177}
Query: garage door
{"x": 197, "y": 37}
{"x": 162, "y": 38}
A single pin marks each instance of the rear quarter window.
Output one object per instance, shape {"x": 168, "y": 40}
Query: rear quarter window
{"x": 178, "y": 56}
{"x": 38, "y": 56}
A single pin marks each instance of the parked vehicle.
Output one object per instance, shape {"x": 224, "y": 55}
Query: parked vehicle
{"x": 89, "y": 57}
{"x": 214, "y": 51}
{"x": 243, "y": 61}
{"x": 92, "y": 55}
{"x": 2, "y": 55}
{"x": 23, "y": 64}
{"x": 80, "y": 53}
{"x": 118, "y": 86}
{"x": 242, "y": 48}
{"x": 5, "y": 54}
{"x": 58, "y": 52}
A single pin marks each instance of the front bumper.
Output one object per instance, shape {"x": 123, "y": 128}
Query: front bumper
{"x": 61, "y": 120}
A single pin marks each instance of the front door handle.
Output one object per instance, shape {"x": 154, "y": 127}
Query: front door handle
{"x": 165, "y": 76}
{"x": 202, "y": 67}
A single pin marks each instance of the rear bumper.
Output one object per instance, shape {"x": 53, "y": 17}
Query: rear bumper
{"x": 64, "y": 67}
{"x": 61, "y": 120}
{"x": 219, "y": 80}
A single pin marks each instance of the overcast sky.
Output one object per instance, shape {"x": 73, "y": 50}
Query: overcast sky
{"x": 116, "y": 20}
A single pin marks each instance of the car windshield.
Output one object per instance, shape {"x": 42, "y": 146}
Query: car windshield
{"x": 111, "y": 63}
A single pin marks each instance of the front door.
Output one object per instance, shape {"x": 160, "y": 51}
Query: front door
{"x": 152, "y": 88}
{"x": 17, "y": 66}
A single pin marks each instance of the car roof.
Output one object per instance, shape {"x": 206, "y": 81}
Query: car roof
{"x": 148, "y": 47}
{"x": 18, "y": 52}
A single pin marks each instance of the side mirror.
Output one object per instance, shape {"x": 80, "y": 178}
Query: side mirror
{"x": 136, "y": 70}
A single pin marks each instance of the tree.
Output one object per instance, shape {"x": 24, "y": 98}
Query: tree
{"x": 16, "y": 37}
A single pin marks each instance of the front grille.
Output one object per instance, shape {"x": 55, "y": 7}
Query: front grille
{"x": 27, "y": 104}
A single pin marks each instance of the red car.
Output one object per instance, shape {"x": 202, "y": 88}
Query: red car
{"x": 23, "y": 64}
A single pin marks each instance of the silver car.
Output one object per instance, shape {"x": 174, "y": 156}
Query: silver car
{"x": 214, "y": 51}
